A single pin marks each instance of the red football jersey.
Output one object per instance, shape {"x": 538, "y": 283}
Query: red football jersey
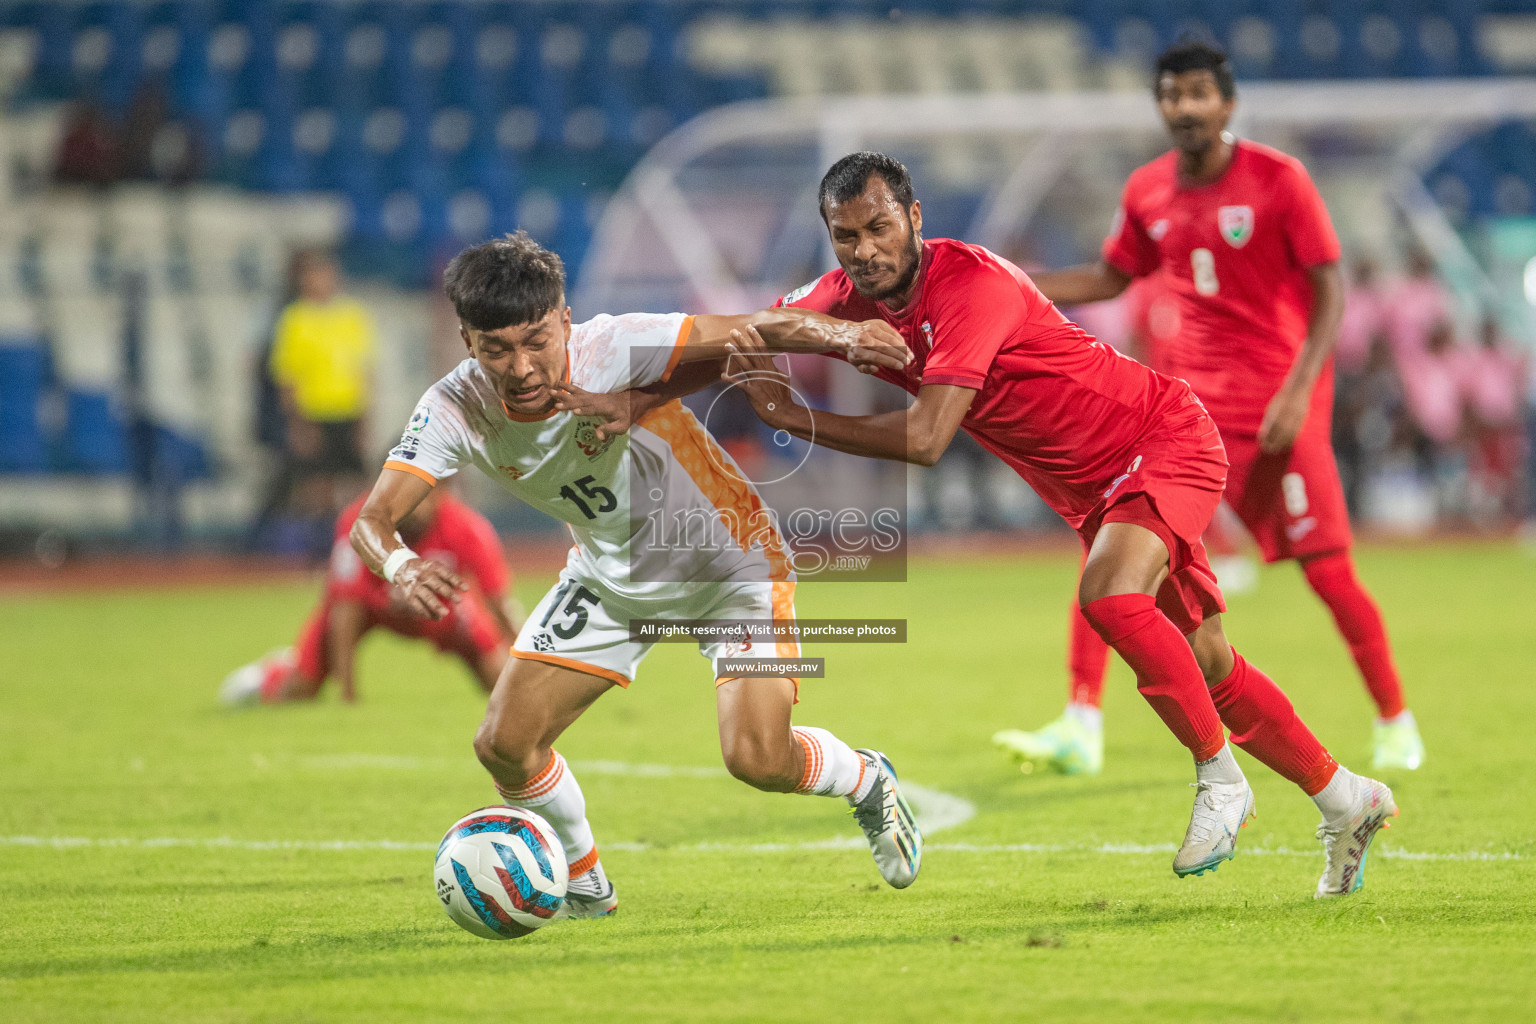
{"x": 1065, "y": 411}
{"x": 1235, "y": 254}
{"x": 459, "y": 537}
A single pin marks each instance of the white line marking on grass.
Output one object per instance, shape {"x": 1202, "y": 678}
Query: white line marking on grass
{"x": 935, "y": 811}
{"x": 1103, "y": 849}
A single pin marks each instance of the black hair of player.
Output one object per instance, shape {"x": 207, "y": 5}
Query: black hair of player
{"x": 506, "y": 281}
{"x": 1196, "y": 54}
{"x": 848, "y": 178}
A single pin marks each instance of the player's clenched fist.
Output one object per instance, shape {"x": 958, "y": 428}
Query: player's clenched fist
{"x": 428, "y": 588}
{"x": 874, "y": 344}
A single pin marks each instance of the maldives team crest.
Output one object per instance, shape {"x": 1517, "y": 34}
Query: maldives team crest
{"x": 1236, "y": 224}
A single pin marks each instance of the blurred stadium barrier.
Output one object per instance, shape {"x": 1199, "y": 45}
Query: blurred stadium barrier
{"x": 396, "y": 131}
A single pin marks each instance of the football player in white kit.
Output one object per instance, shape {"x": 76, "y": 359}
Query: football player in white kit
{"x": 621, "y": 494}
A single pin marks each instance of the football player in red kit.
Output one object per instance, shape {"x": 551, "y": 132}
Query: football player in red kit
{"x": 1128, "y": 457}
{"x": 479, "y": 628}
{"x": 1244, "y": 244}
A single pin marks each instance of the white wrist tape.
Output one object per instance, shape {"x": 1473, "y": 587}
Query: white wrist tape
{"x": 396, "y": 559}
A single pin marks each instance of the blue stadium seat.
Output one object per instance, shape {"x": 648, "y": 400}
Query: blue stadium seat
{"x": 95, "y": 437}
{"x": 23, "y": 377}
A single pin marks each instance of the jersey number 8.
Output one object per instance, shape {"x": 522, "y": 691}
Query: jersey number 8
{"x": 1203, "y": 263}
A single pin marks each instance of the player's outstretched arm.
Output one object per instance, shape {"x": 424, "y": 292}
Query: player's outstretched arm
{"x": 918, "y": 434}
{"x": 1286, "y": 413}
{"x": 428, "y": 588}
{"x": 1086, "y": 282}
{"x": 344, "y": 628}
{"x": 618, "y": 410}
{"x": 869, "y": 345}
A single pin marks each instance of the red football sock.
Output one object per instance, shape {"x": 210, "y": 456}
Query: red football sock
{"x": 1359, "y": 620}
{"x": 1265, "y": 724}
{"x": 1167, "y": 674}
{"x": 1087, "y": 659}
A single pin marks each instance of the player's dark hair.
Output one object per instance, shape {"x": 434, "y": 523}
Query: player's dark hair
{"x": 1196, "y": 54}
{"x": 848, "y": 178}
{"x": 508, "y": 280}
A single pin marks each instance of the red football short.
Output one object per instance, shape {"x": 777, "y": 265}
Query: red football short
{"x": 1172, "y": 487}
{"x": 468, "y": 631}
{"x": 1292, "y": 502}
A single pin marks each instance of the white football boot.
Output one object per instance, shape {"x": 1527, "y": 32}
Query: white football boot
{"x": 1347, "y": 840}
{"x": 1220, "y": 810}
{"x": 588, "y": 895}
{"x": 888, "y": 824}
{"x": 242, "y": 687}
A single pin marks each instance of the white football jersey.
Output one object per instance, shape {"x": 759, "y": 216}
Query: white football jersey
{"x": 659, "y": 507}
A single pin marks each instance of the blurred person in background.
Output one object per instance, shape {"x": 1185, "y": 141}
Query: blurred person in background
{"x": 1528, "y": 528}
{"x": 479, "y": 628}
{"x": 90, "y": 152}
{"x": 321, "y": 362}
{"x": 1432, "y": 388}
{"x": 1363, "y": 322}
{"x": 1493, "y": 377}
{"x": 1416, "y": 306}
{"x": 1245, "y": 244}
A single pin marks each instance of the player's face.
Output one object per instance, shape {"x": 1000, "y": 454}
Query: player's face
{"x": 878, "y": 241}
{"x": 524, "y": 361}
{"x": 1194, "y": 109}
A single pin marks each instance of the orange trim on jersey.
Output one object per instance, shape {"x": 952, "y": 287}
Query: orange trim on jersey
{"x": 683, "y": 334}
{"x": 406, "y": 467}
{"x": 572, "y": 663}
{"x": 714, "y": 474}
{"x": 783, "y": 604}
{"x": 584, "y": 864}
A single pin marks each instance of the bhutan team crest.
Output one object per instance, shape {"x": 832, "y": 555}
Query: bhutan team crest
{"x": 588, "y": 441}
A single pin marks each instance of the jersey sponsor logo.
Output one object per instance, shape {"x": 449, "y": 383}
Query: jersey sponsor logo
{"x": 799, "y": 293}
{"x": 543, "y": 643}
{"x": 588, "y": 441}
{"x": 927, "y": 329}
{"x": 1123, "y": 477}
{"x": 1236, "y": 224}
{"x": 419, "y": 419}
{"x": 1158, "y": 229}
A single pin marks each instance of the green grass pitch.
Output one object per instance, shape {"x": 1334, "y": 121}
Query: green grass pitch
{"x": 110, "y": 733}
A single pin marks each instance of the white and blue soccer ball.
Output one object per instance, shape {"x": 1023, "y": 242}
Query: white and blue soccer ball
{"x": 501, "y": 872}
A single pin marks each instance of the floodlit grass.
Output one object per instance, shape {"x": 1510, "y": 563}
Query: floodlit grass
{"x": 110, "y": 730}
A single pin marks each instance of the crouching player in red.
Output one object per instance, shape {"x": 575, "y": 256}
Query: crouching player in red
{"x": 479, "y": 629}
{"x": 1128, "y": 457}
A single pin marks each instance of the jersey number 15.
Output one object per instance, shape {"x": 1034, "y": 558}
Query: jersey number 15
{"x": 591, "y": 491}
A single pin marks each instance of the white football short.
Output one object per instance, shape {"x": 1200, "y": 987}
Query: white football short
{"x": 583, "y": 624}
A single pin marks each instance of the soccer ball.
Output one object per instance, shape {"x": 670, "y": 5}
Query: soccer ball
{"x": 501, "y": 872}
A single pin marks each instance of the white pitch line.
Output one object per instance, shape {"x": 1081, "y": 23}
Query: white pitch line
{"x": 1102, "y": 849}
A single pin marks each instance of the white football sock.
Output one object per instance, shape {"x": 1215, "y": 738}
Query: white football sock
{"x": 832, "y": 767}
{"x": 556, "y": 795}
{"x": 1403, "y": 717}
{"x": 1088, "y": 716}
{"x": 1337, "y": 798}
{"x": 1220, "y": 769}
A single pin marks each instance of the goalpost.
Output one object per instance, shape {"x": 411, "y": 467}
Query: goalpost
{"x": 720, "y": 215}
